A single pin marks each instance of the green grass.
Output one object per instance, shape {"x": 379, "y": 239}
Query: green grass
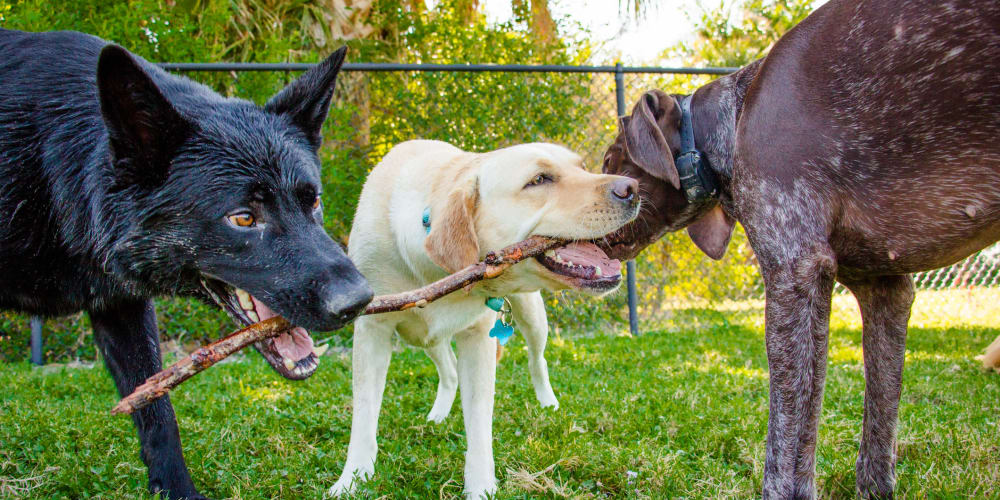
{"x": 678, "y": 412}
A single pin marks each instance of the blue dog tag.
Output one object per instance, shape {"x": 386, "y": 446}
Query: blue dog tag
{"x": 425, "y": 219}
{"x": 502, "y": 332}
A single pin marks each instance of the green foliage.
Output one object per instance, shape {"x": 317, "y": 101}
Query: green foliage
{"x": 737, "y": 32}
{"x": 672, "y": 414}
{"x": 372, "y": 112}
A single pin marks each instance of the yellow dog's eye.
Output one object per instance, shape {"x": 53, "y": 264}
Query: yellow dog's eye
{"x": 242, "y": 219}
{"x": 539, "y": 179}
{"x": 316, "y": 203}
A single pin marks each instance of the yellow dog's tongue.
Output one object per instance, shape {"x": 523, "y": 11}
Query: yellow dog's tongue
{"x": 294, "y": 344}
{"x": 588, "y": 254}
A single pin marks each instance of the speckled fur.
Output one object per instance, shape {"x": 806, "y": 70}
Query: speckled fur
{"x": 865, "y": 147}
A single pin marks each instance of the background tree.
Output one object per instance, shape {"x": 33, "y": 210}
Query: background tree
{"x": 373, "y": 111}
{"x": 737, "y": 32}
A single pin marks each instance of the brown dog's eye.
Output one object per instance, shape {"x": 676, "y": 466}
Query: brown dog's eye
{"x": 539, "y": 179}
{"x": 242, "y": 219}
{"x": 316, "y": 203}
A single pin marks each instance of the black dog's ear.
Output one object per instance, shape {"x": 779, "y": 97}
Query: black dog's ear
{"x": 644, "y": 141}
{"x": 307, "y": 99}
{"x": 143, "y": 127}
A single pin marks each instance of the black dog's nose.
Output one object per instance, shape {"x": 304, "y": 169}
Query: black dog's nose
{"x": 624, "y": 189}
{"x": 347, "y": 304}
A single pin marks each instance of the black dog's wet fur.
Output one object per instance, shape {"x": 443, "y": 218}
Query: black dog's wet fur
{"x": 101, "y": 211}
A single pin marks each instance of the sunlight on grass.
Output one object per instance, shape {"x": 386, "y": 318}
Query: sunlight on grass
{"x": 679, "y": 411}
{"x": 712, "y": 368}
{"x": 270, "y": 393}
{"x": 949, "y": 308}
{"x": 843, "y": 352}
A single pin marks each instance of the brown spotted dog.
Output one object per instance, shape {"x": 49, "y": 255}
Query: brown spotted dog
{"x": 864, "y": 148}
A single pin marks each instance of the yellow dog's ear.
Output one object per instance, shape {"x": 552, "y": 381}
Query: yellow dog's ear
{"x": 453, "y": 243}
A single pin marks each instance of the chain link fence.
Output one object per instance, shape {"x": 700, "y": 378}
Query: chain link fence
{"x": 484, "y": 107}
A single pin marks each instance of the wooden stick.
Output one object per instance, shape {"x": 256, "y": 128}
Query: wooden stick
{"x": 491, "y": 267}
{"x": 206, "y": 356}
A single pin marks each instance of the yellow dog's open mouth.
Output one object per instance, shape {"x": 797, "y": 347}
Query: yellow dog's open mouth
{"x": 583, "y": 265}
{"x": 291, "y": 353}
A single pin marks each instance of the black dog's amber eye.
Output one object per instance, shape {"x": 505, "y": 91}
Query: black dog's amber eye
{"x": 316, "y": 203}
{"x": 539, "y": 179}
{"x": 242, "y": 219}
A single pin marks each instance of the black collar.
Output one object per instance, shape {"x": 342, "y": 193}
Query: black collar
{"x": 697, "y": 179}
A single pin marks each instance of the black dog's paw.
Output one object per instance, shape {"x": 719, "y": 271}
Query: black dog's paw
{"x": 176, "y": 493}
{"x": 165, "y": 495}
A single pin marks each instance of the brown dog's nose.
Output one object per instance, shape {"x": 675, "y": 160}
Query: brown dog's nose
{"x": 624, "y": 189}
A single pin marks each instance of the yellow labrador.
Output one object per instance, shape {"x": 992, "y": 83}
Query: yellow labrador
{"x": 429, "y": 209}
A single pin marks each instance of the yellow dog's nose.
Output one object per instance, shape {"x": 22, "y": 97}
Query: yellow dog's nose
{"x": 624, "y": 188}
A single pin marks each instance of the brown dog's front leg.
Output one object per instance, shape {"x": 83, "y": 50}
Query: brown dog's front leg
{"x": 797, "y": 323}
{"x": 885, "y": 309}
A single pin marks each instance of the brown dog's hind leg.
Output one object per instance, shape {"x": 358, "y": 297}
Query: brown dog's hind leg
{"x": 885, "y": 309}
{"x": 799, "y": 289}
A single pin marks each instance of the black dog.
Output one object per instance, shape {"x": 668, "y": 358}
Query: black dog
{"x": 121, "y": 182}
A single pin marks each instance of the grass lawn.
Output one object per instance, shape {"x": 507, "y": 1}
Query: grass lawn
{"x": 678, "y": 412}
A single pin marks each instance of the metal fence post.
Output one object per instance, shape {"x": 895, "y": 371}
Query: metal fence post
{"x": 633, "y": 316}
{"x": 36, "y": 340}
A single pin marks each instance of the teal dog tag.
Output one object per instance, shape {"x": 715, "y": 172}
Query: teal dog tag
{"x": 502, "y": 332}
{"x": 495, "y": 303}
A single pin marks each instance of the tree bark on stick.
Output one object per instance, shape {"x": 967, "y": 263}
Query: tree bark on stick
{"x": 492, "y": 266}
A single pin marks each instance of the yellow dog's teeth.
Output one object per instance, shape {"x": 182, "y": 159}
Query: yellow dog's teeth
{"x": 289, "y": 364}
{"x": 252, "y": 315}
{"x": 597, "y": 271}
{"x": 320, "y": 350}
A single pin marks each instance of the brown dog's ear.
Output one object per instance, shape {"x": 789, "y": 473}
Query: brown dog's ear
{"x": 644, "y": 141}
{"x": 452, "y": 242}
{"x": 712, "y": 232}
{"x": 623, "y": 123}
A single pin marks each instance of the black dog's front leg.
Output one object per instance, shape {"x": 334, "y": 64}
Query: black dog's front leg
{"x": 128, "y": 338}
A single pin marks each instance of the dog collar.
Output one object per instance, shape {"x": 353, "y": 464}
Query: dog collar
{"x": 503, "y": 329}
{"x": 697, "y": 179}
